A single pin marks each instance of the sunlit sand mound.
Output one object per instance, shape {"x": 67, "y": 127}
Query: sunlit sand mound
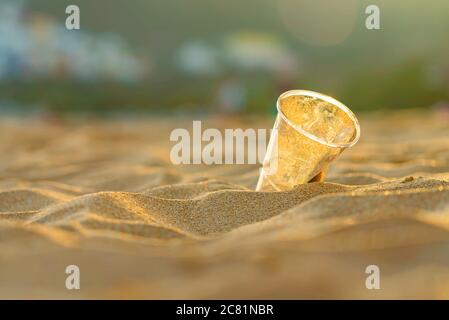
{"x": 208, "y": 213}
{"x": 103, "y": 195}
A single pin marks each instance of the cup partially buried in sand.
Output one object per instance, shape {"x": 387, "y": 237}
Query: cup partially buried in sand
{"x": 310, "y": 131}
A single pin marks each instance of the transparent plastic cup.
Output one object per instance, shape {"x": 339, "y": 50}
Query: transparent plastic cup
{"x": 310, "y": 131}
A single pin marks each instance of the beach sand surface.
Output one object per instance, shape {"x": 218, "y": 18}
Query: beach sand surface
{"x": 103, "y": 195}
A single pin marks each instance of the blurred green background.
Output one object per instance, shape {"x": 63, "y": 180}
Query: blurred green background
{"x": 220, "y": 56}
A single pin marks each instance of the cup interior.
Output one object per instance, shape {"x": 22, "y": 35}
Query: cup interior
{"x": 319, "y": 117}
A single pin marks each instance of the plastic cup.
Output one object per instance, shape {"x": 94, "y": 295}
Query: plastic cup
{"x": 310, "y": 131}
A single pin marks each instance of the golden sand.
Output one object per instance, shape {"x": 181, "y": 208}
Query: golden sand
{"x": 103, "y": 195}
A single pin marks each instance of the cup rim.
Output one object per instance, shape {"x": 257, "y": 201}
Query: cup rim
{"x": 328, "y": 99}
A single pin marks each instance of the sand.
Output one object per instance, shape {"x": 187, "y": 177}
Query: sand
{"x": 103, "y": 195}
